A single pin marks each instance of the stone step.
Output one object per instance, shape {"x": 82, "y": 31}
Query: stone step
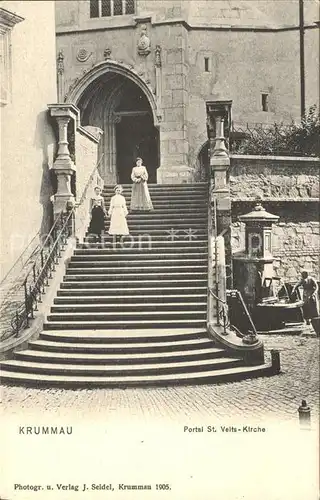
{"x": 126, "y": 269}
{"x": 182, "y": 223}
{"x": 124, "y": 307}
{"x": 162, "y": 199}
{"x": 125, "y": 324}
{"x": 163, "y": 187}
{"x": 166, "y": 194}
{"x": 143, "y": 243}
{"x": 185, "y": 228}
{"x": 131, "y": 276}
{"x": 136, "y": 292}
{"x": 197, "y": 197}
{"x": 170, "y": 232}
{"x": 135, "y": 315}
{"x": 119, "y": 359}
{"x": 136, "y": 258}
{"x": 121, "y": 369}
{"x": 126, "y": 283}
{"x": 122, "y": 337}
{"x": 150, "y": 261}
{"x": 177, "y": 204}
{"x": 201, "y": 377}
{"x": 130, "y": 299}
{"x": 148, "y": 218}
{"x": 185, "y": 212}
{"x": 113, "y": 348}
{"x": 143, "y": 252}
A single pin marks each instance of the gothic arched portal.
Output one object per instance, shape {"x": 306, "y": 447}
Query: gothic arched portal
{"x": 126, "y": 113}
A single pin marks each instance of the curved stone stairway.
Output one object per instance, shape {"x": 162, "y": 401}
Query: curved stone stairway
{"x": 134, "y": 315}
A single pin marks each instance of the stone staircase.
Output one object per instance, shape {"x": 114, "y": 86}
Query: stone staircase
{"x": 134, "y": 314}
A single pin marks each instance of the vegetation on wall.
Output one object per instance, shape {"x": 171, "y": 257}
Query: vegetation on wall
{"x": 279, "y": 139}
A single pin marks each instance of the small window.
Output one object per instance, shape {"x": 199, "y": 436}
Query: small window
{"x": 206, "y": 64}
{"x": 129, "y": 6}
{"x": 265, "y": 102}
{"x": 105, "y": 8}
{"x": 110, "y": 8}
{"x": 117, "y": 8}
{"x": 94, "y": 8}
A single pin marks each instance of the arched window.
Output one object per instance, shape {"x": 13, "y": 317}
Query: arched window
{"x": 110, "y": 8}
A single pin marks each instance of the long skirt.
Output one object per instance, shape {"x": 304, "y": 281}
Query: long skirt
{"x": 140, "y": 197}
{"x": 97, "y": 221}
{"x": 118, "y": 222}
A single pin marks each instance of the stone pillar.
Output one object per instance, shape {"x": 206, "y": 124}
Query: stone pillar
{"x": 174, "y": 89}
{"x": 218, "y": 126}
{"x": 63, "y": 165}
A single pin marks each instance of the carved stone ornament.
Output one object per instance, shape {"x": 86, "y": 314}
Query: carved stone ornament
{"x": 83, "y": 55}
{"x": 60, "y": 63}
{"x": 107, "y": 53}
{"x": 158, "y": 57}
{"x": 144, "y": 42}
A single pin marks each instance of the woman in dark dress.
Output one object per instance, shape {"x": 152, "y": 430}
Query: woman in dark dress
{"x": 97, "y": 213}
{"x": 310, "y": 296}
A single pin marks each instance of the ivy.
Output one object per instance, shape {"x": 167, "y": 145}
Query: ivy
{"x": 279, "y": 139}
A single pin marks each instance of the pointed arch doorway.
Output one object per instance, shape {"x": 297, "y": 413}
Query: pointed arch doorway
{"x": 122, "y": 110}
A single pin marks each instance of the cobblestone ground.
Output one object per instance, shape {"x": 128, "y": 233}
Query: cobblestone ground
{"x": 268, "y": 397}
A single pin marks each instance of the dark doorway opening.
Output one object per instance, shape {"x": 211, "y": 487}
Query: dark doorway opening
{"x": 122, "y": 110}
{"x": 136, "y": 136}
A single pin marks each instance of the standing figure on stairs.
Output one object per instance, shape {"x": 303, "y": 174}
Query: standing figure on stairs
{"x": 140, "y": 197}
{"x": 98, "y": 212}
{"x": 118, "y": 214}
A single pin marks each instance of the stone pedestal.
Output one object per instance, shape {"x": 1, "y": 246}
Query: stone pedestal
{"x": 63, "y": 165}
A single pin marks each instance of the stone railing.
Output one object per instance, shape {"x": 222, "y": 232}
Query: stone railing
{"x": 23, "y": 288}
{"x": 22, "y": 292}
{"x": 82, "y": 212}
{"x": 72, "y": 170}
{"x": 30, "y": 290}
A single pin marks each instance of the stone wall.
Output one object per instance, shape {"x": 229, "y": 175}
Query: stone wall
{"x": 288, "y": 188}
{"x": 242, "y": 64}
{"x": 270, "y": 177}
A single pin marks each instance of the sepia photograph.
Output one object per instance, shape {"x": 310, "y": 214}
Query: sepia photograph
{"x": 159, "y": 258}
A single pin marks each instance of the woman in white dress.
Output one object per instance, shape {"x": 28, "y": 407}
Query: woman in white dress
{"x": 140, "y": 197}
{"x": 118, "y": 213}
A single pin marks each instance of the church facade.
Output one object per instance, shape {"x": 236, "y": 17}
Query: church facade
{"x": 142, "y": 71}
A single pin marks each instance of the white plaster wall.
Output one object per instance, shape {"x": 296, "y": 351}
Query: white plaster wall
{"x": 86, "y": 160}
{"x": 27, "y": 139}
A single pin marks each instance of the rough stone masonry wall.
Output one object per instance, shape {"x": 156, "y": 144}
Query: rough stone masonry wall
{"x": 288, "y": 188}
